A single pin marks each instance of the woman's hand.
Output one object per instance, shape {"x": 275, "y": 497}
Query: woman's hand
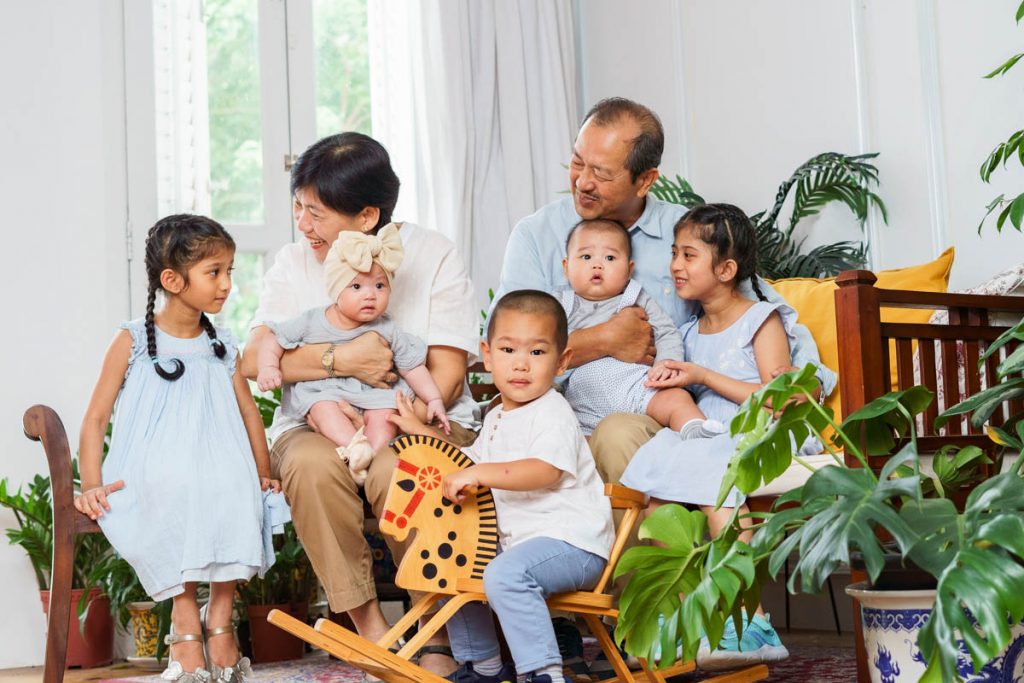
{"x": 686, "y": 373}
{"x": 368, "y": 358}
{"x": 455, "y": 484}
{"x": 406, "y": 419}
{"x": 272, "y": 484}
{"x": 94, "y": 501}
{"x": 436, "y": 413}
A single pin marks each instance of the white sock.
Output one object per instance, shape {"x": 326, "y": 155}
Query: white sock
{"x": 488, "y": 667}
{"x": 553, "y": 670}
{"x": 701, "y": 429}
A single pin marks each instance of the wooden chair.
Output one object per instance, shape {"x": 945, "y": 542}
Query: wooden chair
{"x": 42, "y": 424}
{"x": 936, "y": 355}
{"x": 446, "y": 561}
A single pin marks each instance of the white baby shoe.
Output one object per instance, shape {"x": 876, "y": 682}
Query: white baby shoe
{"x": 357, "y": 455}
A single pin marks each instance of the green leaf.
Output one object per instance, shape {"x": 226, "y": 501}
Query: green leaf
{"x": 887, "y": 418}
{"x": 1017, "y": 211}
{"x": 984, "y": 576}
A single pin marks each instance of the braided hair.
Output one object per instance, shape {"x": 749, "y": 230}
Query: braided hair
{"x": 177, "y": 243}
{"x": 731, "y": 236}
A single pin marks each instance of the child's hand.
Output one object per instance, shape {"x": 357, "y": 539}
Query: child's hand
{"x": 272, "y": 484}
{"x": 662, "y": 373}
{"x": 94, "y": 501}
{"x": 685, "y": 374}
{"x": 436, "y": 412}
{"x": 454, "y": 484}
{"x": 406, "y": 419}
{"x": 269, "y": 378}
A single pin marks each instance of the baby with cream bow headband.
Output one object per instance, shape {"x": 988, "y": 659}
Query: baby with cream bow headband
{"x": 357, "y": 271}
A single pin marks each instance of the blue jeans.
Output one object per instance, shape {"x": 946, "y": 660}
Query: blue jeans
{"x": 517, "y": 583}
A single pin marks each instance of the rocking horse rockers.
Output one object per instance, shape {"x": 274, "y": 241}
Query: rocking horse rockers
{"x": 453, "y": 544}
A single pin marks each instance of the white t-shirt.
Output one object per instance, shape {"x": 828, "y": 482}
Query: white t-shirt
{"x": 431, "y": 297}
{"x": 574, "y": 509}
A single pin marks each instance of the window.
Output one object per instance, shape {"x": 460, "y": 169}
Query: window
{"x": 241, "y": 87}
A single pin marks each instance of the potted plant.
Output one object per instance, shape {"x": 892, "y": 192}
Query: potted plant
{"x": 822, "y": 179}
{"x": 91, "y": 632}
{"x": 974, "y": 554}
{"x": 148, "y": 621}
{"x": 287, "y": 586}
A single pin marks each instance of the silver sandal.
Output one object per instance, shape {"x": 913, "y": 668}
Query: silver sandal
{"x": 237, "y": 672}
{"x": 174, "y": 671}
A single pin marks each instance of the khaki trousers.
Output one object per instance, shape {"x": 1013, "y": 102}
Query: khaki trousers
{"x": 614, "y": 443}
{"x": 328, "y": 512}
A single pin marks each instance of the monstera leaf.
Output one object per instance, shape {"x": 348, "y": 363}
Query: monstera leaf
{"x": 887, "y": 418}
{"x": 977, "y": 557}
{"x": 765, "y": 448}
{"x": 718, "y": 578}
{"x": 839, "y": 510}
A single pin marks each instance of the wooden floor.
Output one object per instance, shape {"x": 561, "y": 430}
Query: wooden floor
{"x": 35, "y": 674}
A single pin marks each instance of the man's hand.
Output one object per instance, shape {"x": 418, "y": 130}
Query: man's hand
{"x": 369, "y": 359}
{"x": 633, "y": 336}
{"x": 686, "y": 373}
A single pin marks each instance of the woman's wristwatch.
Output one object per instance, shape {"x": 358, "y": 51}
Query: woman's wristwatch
{"x": 327, "y": 361}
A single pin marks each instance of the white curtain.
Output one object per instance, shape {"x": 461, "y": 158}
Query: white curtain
{"x": 476, "y": 102}
{"x": 182, "y": 118}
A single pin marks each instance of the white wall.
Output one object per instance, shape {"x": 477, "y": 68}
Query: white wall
{"x": 749, "y": 90}
{"x": 62, "y": 186}
{"x": 746, "y": 90}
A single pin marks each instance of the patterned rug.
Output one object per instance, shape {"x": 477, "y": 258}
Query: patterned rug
{"x": 806, "y": 664}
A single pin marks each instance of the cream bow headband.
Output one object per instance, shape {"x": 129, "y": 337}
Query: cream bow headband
{"x": 356, "y": 252}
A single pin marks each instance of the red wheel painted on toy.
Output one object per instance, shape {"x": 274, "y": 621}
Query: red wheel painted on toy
{"x": 429, "y": 478}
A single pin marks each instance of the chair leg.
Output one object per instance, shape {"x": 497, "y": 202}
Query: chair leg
{"x": 835, "y": 611}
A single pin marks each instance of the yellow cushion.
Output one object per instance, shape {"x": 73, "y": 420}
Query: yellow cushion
{"x": 814, "y": 301}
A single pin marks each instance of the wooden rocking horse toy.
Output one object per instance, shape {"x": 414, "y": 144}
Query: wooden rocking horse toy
{"x": 453, "y": 544}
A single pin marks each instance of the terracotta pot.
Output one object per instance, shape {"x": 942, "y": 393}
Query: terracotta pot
{"x": 270, "y": 643}
{"x": 92, "y": 645}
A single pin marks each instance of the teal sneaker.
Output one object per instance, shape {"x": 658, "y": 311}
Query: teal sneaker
{"x": 760, "y": 644}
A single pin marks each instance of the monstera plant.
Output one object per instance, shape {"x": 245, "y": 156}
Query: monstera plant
{"x": 821, "y": 180}
{"x": 689, "y": 584}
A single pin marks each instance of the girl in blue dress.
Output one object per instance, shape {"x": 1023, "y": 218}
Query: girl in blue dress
{"x": 732, "y": 349}
{"x": 179, "y": 495}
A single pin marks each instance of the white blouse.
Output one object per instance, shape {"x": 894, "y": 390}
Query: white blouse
{"x": 431, "y": 297}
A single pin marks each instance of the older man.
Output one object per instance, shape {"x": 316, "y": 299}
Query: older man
{"x": 614, "y": 163}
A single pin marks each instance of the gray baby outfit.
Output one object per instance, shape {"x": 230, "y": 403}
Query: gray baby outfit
{"x": 608, "y": 385}
{"x": 312, "y": 327}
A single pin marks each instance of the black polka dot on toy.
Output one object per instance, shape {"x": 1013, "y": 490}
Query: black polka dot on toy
{"x": 425, "y": 554}
{"x": 444, "y": 550}
{"x": 452, "y": 535}
{"x": 438, "y": 512}
{"x": 429, "y": 570}
{"x": 460, "y": 560}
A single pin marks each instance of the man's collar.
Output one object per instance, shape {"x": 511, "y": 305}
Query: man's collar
{"x": 647, "y": 222}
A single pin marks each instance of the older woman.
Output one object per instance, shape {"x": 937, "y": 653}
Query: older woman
{"x": 345, "y": 182}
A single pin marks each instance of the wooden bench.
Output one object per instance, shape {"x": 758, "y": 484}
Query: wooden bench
{"x": 936, "y": 355}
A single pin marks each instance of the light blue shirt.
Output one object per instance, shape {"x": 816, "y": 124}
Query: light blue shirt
{"x": 536, "y": 247}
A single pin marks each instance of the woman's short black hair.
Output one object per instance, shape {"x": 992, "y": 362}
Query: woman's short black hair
{"x": 349, "y": 172}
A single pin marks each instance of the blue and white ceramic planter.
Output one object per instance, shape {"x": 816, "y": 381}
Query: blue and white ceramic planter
{"x": 891, "y": 620}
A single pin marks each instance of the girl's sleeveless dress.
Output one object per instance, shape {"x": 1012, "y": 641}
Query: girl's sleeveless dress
{"x": 691, "y": 471}
{"x": 191, "y": 508}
